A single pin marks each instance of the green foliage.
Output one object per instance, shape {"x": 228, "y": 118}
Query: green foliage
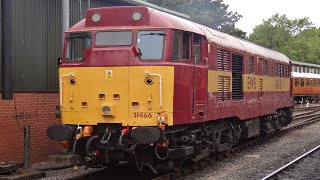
{"x": 212, "y": 13}
{"x": 297, "y": 38}
{"x": 305, "y": 46}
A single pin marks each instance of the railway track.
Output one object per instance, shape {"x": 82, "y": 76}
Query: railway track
{"x": 289, "y": 171}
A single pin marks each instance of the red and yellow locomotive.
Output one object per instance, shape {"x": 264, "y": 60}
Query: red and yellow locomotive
{"x": 144, "y": 86}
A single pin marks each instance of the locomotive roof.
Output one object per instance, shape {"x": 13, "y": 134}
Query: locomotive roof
{"x": 121, "y": 17}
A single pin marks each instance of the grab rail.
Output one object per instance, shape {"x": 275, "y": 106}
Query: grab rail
{"x": 150, "y": 74}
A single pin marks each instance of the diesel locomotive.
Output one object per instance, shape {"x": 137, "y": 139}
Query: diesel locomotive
{"x": 143, "y": 86}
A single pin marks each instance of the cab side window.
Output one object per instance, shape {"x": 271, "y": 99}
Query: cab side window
{"x": 251, "y": 64}
{"x": 186, "y": 46}
{"x": 197, "y": 48}
{"x": 264, "y": 67}
{"x": 176, "y": 46}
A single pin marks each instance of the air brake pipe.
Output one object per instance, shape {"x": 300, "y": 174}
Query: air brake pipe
{"x": 87, "y": 149}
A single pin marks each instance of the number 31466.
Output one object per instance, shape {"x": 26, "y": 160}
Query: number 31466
{"x": 142, "y": 115}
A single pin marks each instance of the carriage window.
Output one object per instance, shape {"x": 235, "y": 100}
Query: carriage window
{"x": 77, "y": 43}
{"x": 307, "y": 82}
{"x": 186, "y": 46}
{"x": 251, "y": 64}
{"x": 318, "y": 82}
{"x": 302, "y": 82}
{"x": 150, "y": 44}
{"x": 176, "y": 46}
{"x": 296, "y": 82}
{"x": 197, "y": 48}
{"x": 314, "y": 83}
{"x": 113, "y": 38}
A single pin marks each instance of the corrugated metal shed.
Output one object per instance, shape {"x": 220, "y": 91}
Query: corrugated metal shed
{"x": 36, "y": 39}
{"x": 36, "y": 43}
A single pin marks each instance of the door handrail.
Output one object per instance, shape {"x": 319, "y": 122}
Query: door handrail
{"x": 150, "y": 74}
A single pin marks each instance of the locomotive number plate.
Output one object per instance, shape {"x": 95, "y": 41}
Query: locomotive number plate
{"x": 142, "y": 115}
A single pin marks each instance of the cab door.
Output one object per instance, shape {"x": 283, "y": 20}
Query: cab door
{"x": 199, "y": 54}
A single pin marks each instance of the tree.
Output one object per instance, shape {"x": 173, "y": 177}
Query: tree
{"x": 269, "y": 36}
{"x": 305, "y": 46}
{"x": 212, "y": 13}
{"x": 297, "y": 38}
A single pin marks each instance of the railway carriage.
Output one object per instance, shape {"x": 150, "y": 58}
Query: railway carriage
{"x": 144, "y": 86}
{"x": 306, "y": 82}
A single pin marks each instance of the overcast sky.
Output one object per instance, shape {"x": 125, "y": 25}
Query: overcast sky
{"x": 253, "y": 11}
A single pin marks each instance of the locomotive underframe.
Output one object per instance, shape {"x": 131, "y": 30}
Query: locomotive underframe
{"x": 177, "y": 144}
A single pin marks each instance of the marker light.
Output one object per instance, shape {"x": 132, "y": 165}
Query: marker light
{"x": 136, "y": 16}
{"x": 95, "y": 17}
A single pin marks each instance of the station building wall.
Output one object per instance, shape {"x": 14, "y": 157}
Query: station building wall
{"x": 36, "y": 109}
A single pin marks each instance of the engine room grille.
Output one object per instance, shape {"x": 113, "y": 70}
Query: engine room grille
{"x": 223, "y": 88}
{"x": 223, "y": 59}
{"x": 237, "y": 66}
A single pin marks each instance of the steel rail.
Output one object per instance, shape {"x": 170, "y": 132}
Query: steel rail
{"x": 281, "y": 169}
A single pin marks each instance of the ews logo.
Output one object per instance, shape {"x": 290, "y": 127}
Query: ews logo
{"x": 252, "y": 83}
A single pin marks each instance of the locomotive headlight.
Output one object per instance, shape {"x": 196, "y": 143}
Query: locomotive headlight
{"x": 136, "y": 16}
{"x": 106, "y": 109}
{"x": 148, "y": 80}
{"x": 96, "y": 17}
{"x": 73, "y": 81}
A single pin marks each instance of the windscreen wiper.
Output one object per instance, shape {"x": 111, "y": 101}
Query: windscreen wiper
{"x": 158, "y": 34}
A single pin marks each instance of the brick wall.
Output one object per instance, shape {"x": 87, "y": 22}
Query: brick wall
{"x": 36, "y": 109}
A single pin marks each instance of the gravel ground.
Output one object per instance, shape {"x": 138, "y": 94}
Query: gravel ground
{"x": 259, "y": 161}
{"x": 67, "y": 173}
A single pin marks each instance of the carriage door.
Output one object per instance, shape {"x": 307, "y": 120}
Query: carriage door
{"x": 200, "y": 53}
